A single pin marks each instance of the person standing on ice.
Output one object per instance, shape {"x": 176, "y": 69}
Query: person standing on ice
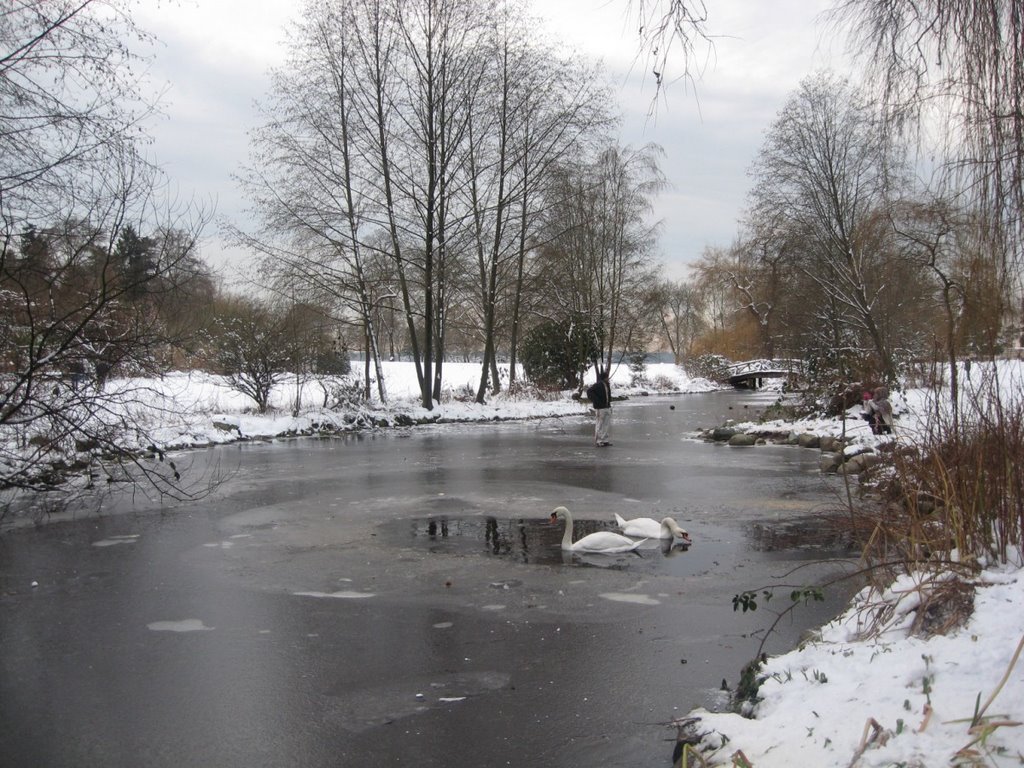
{"x": 600, "y": 394}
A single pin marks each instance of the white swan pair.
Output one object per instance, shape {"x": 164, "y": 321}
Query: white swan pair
{"x": 636, "y": 531}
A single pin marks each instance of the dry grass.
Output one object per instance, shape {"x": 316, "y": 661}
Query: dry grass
{"x": 945, "y": 507}
{"x": 957, "y": 499}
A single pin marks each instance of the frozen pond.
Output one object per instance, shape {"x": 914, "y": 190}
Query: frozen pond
{"x": 401, "y": 599}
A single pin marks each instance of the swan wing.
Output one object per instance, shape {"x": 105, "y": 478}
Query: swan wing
{"x": 606, "y": 542}
{"x": 645, "y": 527}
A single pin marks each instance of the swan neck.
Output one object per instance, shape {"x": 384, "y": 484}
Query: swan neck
{"x": 567, "y": 536}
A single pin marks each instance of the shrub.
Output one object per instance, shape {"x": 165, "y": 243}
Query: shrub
{"x": 961, "y": 490}
{"x": 252, "y": 352}
{"x": 332, "y": 359}
{"x": 638, "y": 368}
{"x": 711, "y": 367}
{"x": 341, "y": 394}
{"x": 556, "y": 353}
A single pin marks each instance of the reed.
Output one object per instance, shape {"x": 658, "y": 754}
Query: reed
{"x": 957, "y": 498}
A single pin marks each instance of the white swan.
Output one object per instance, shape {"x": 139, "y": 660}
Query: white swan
{"x": 650, "y": 528}
{"x": 604, "y": 542}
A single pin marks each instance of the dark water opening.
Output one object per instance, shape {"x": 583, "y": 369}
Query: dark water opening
{"x": 538, "y": 542}
{"x": 525, "y": 540}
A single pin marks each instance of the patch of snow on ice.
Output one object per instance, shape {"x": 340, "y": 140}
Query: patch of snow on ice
{"x": 115, "y": 540}
{"x": 185, "y": 625}
{"x": 623, "y": 597}
{"x": 344, "y": 595}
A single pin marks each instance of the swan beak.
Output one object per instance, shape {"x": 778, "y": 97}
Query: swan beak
{"x": 553, "y": 518}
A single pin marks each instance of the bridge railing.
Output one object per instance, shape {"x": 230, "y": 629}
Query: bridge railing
{"x": 764, "y": 365}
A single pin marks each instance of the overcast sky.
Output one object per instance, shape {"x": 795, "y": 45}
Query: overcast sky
{"x": 213, "y": 57}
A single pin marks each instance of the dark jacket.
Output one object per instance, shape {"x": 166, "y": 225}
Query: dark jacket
{"x": 600, "y": 394}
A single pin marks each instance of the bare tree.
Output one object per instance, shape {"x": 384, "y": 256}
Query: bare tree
{"x": 826, "y": 173}
{"x": 365, "y": 151}
{"x": 950, "y": 75}
{"x": 439, "y": 43}
{"x": 947, "y": 242}
{"x": 307, "y": 179}
{"x": 681, "y": 309}
{"x": 671, "y": 35}
{"x": 404, "y": 143}
{"x": 751, "y": 273}
{"x": 530, "y": 111}
{"x": 718, "y": 301}
{"x": 254, "y": 349}
{"x": 959, "y": 68}
{"x": 599, "y": 263}
{"x": 73, "y": 180}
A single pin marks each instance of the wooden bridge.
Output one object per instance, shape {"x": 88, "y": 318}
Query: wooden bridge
{"x": 752, "y": 373}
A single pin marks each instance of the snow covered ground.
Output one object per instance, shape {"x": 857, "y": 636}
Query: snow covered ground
{"x": 884, "y": 698}
{"x": 887, "y": 699}
{"x": 196, "y": 408}
{"x": 891, "y": 699}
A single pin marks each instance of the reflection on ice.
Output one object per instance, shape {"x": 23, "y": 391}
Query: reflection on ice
{"x": 527, "y": 540}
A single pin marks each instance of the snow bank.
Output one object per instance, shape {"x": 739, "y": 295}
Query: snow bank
{"x": 889, "y": 698}
{"x": 183, "y": 410}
